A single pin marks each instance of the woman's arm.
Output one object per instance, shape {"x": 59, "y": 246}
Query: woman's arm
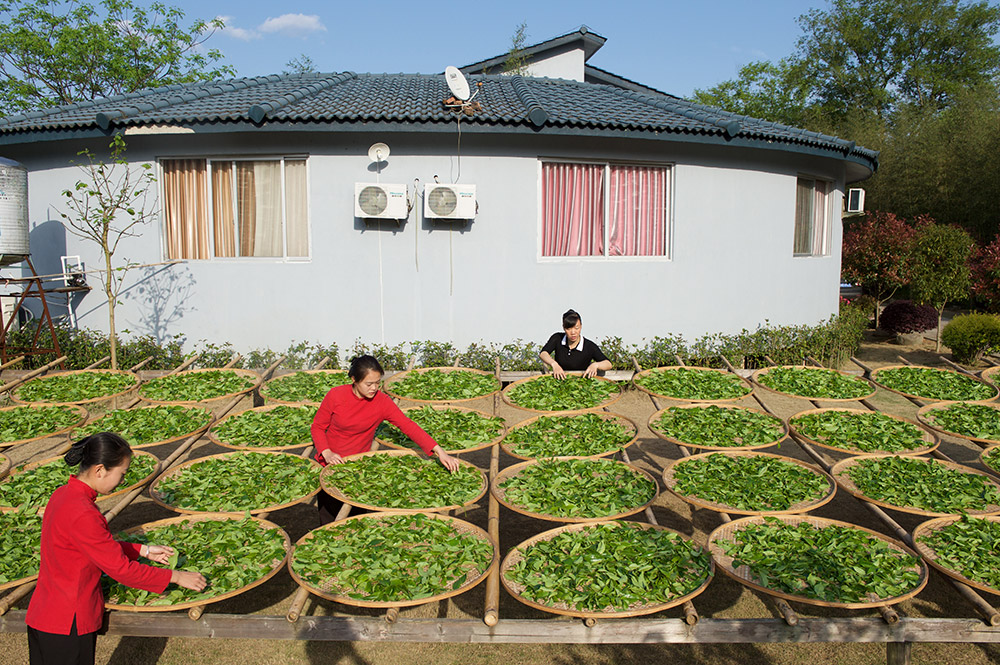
{"x": 394, "y": 415}
{"x": 320, "y": 425}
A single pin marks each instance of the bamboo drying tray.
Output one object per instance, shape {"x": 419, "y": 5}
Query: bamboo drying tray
{"x": 500, "y": 493}
{"x": 517, "y": 554}
{"x": 839, "y": 472}
{"x": 24, "y": 580}
{"x": 4, "y": 466}
{"x": 155, "y": 495}
{"x": 121, "y": 490}
{"x": 991, "y": 374}
{"x": 402, "y": 375}
{"x": 509, "y": 448}
{"x": 986, "y": 453}
{"x": 743, "y": 382}
{"x": 764, "y": 370}
{"x": 930, "y": 556}
{"x": 173, "y": 439}
{"x": 218, "y": 398}
{"x": 656, "y": 416}
{"x": 327, "y": 485}
{"x": 743, "y": 575}
{"x": 214, "y": 437}
{"x": 265, "y": 389}
{"x": 932, "y": 441}
{"x": 457, "y": 524}
{"x": 80, "y": 411}
{"x": 611, "y": 399}
{"x": 923, "y": 418}
{"x": 135, "y": 382}
{"x": 670, "y": 483}
{"x": 204, "y": 517}
{"x": 875, "y": 373}
{"x": 448, "y": 407}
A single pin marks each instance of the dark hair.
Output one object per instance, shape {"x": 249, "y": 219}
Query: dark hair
{"x": 570, "y": 318}
{"x": 361, "y": 365}
{"x": 105, "y": 448}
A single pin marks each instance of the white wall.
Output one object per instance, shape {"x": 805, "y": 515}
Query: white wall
{"x": 731, "y": 267}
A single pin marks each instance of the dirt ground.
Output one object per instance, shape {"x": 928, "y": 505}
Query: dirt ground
{"x": 724, "y": 598}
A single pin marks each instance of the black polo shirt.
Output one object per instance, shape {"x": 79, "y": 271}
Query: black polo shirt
{"x": 573, "y": 360}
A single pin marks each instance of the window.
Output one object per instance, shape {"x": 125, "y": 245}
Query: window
{"x": 604, "y": 210}
{"x": 812, "y": 217}
{"x": 235, "y": 208}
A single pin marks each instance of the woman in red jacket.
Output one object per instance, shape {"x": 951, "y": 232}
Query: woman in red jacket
{"x": 347, "y": 418}
{"x": 67, "y": 607}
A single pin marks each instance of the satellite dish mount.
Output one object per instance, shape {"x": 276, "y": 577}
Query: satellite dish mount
{"x": 461, "y": 95}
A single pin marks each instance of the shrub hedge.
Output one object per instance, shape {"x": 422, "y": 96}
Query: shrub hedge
{"x": 903, "y": 316}
{"x": 970, "y": 336}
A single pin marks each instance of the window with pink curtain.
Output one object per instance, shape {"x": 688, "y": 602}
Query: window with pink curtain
{"x": 811, "y": 228}
{"x": 604, "y": 210}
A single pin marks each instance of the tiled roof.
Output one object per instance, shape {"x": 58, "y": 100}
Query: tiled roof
{"x": 332, "y": 102}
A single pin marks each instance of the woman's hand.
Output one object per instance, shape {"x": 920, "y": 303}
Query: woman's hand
{"x": 332, "y": 457}
{"x": 188, "y": 579}
{"x": 157, "y": 553}
{"x": 447, "y": 461}
{"x": 591, "y": 371}
{"x": 558, "y": 371}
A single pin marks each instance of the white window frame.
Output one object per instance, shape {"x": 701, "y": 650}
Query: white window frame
{"x": 284, "y": 258}
{"x": 825, "y": 212}
{"x": 607, "y": 164}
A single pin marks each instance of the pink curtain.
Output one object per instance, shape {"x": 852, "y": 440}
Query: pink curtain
{"x": 638, "y": 211}
{"x": 572, "y": 210}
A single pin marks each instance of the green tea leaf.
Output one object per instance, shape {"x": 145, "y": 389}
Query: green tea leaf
{"x": 693, "y": 384}
{"x": 858, "y": 431}
{"x": 754, "y": 483}
{"x": 926, "y": 484}
{"x": 20, "y": 542}
{"x": 815, "y": 383}
{"x": 715, "y": 426}
{"x": 280, "y": 426}
{"x": 979, "y": 421}
{"x": 547, "y": 393}
{"x": 580, "y": 434}
{"x": 936, "y": 384}
{"x": 149, "y": 425}
{"x": 453, "y": 430}
{"x": 75, "y": 387}
{"x": 404, "y": 481}
{"x": 969, "y": 546}
{"x": 197, "y": 386}
{"x": 304, "y": 386}
{"x": 28, "y": 422}
{"x": 440, "y": 385}
{"x": 34, "y": 487}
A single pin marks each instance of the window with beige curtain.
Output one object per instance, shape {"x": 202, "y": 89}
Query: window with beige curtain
{"x": 811, "y": 217}
{"x": 254, "y": 208}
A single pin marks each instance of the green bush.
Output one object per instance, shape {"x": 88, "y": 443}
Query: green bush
{"x": 971, "y": 336}
{"x": 86, "y": 347}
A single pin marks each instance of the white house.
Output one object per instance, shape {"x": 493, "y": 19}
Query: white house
{"x": 647, "y": 213}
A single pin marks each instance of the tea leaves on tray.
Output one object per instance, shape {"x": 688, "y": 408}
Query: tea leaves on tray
{"x": 20, "y": 542}
{"x": 34, "y": 486}
{"x": 231, "y": 554}
{"x": 239, "y": 482}
{"x": 195, "y": 386}
{"x": 28, "y": 422}
{"x": 861, "y": 431}
{"x": 142, "y": 426}
{"x": 393, "y": 558}
{"x": 280, "y": 426}
{"x": 304, "y": 386}
{"x": 937, "y": 384}
{"x": 453, "y": 430}
{"x": 814, "y": 383}
{"x": 922, "y": 483}
{"x": 693, "y": 384}
{"x": 970, "y": 547}
{"x": 77, "y": 387}
{"x": 578, "y": 434}
{"x": 441, "y": 385}
{"x": 581, "y": 488}
{"x": 716, "y": 426}
{"x": 978, "y": 421}
{"x": 748, "y": 482}
{"x": 547, "y": 393}
{"x": 832, "y": 563}
{"x": 403, "y": 481}
{"x": 613, "y": 567}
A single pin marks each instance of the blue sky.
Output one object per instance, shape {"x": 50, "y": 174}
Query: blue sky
{"x": 670, "y": 45}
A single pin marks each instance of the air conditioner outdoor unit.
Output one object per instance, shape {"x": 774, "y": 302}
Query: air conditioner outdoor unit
{"x": 856, "y": 200}
{"x": 380, "y": 201}
{"x": 450, "y": 201}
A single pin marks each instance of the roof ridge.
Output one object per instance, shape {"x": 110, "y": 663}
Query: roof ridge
{"x": 731, "y": 128}
{"x": 260, "y": 111}
{"x": 536, "y": 112}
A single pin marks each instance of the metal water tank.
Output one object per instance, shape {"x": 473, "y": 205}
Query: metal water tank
{"x": 13, "y": 212}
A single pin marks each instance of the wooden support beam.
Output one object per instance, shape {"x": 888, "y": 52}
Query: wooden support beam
{"x": 322, "y": 363}
{"x": 898, "y": 653}
{"x": 391, "y": 615}
{"x": 956, "y": 366}
{"x": 491, "y": 607}
{"x": 11, "y": 362}
{"x": 232, "y": 361}
{"x": 140, "y": 365}
{"x": 7, "y": 387}
{"x": 866, "y": 368}
{"x": 298, "y": 601}
{"x": 95, "y": 365}
{"x": 15, "y": 595}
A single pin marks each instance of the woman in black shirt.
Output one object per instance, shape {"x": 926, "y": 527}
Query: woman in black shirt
{"x": 570, "y": 351}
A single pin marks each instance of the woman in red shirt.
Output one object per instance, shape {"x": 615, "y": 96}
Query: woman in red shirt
{"x": 67, "y": 607}
{"x": 347, "y": 418}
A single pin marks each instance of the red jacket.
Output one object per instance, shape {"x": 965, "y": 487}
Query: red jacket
{"x": 76, "y": 547}
{"x": 346, "y": 423}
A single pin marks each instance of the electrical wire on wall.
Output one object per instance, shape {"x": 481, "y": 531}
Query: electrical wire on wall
{"x": 416, "y": 226}
{"x": 381, "y": 284}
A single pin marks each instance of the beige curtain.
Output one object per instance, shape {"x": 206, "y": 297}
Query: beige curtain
{"x": 246, "y": 208}
{"x": 804, "y": 216}
{"x": 268, "y": 239}
{"x": 222, "y": 207}
{"x": 296, "y": 209}
{"x": 819, "y": 220}
{"x": 185, "y": 208}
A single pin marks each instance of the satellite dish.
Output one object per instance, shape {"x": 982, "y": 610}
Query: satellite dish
{"x": 457, "y": 83}
{"x": 379, "y": 152}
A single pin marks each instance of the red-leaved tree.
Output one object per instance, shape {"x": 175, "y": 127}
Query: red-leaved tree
{"x": 985, "y": 265}
{"x": 875, "y": 255}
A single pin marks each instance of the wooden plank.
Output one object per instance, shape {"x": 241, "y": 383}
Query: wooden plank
{"x": 898, "y": 653}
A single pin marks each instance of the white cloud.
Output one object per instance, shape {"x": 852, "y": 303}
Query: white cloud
{"x": 237, "y": 33}
{"x": 293, "y": 25}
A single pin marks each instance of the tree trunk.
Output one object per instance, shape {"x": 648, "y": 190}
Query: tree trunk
{"x": 109, "y": 290}
{"x": 937, "y": 346}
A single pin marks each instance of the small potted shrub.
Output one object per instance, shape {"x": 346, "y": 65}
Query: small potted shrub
{"x": 908, "y": 321}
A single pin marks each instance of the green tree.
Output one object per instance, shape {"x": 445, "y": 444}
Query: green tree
{"x": 775, "y": 92}
{"x": 105, "y": 207}
{"x": 517, "y": 60}
{"x": 939, "y": 270}
{"x": 875, "y": 256}
{"x": 56, "y": 52}
{"x": 302, "y": 64}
